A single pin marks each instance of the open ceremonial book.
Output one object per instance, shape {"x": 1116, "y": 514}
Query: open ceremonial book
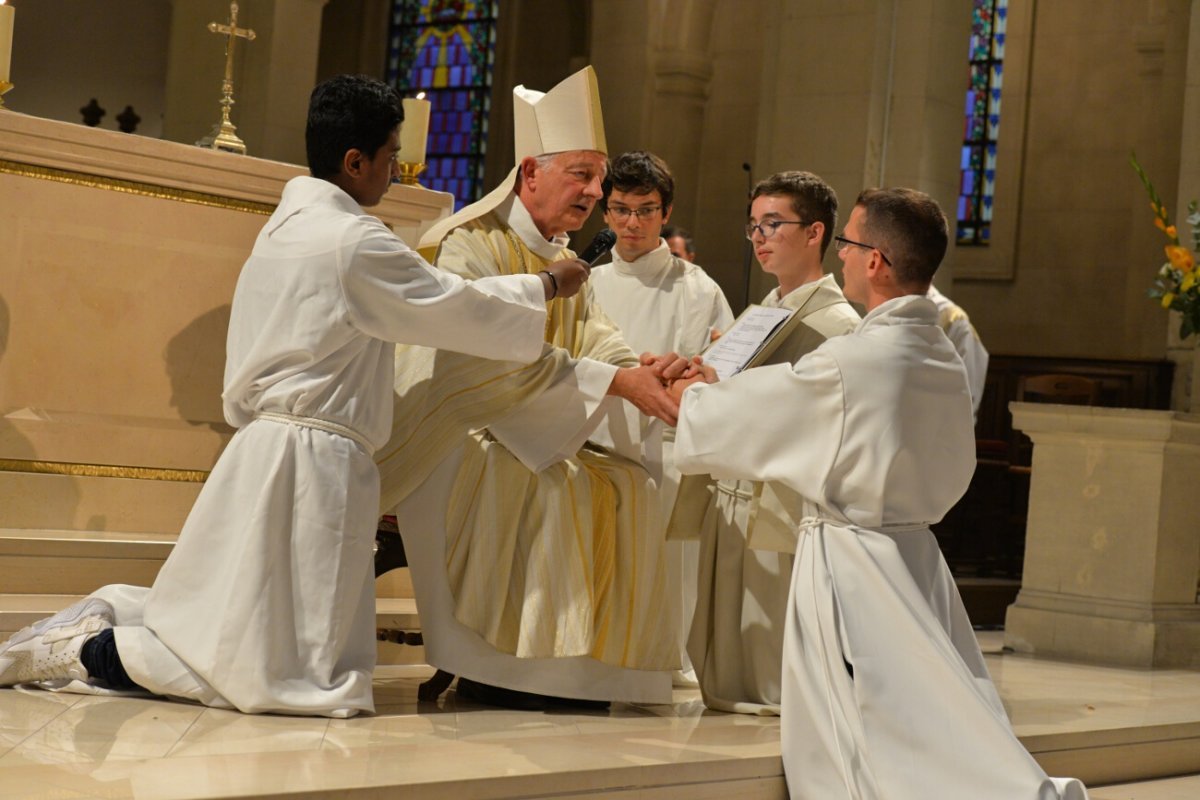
{"x": 750, "y": 340}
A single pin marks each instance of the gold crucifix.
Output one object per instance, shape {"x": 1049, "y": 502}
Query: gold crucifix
{"x": 223, "y": 135}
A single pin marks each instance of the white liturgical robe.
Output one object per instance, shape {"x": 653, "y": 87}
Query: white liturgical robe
{"x": 885, "y": 691}
{"x": 957, "y": 325}
{"x": 267, "y": 602}
{"x": 537, "y": 563}
{"x": 661, "y": 303}
{"x": 664, "y": 304}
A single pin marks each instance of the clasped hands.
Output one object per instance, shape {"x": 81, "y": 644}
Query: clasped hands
{"x": 656, "y": 387}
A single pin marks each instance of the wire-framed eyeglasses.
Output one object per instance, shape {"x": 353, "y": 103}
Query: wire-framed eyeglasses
{"x": 621, "y": 213}
{"x": 767, "y": 228}
{"x": 840, "y": 243}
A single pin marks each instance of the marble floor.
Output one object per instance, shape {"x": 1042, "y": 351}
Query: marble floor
{"x": 72, "y": 746}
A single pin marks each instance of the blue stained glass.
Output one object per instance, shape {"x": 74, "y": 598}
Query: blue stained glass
{"x": 446, "y": 48}
{"x": 981, "y": 121}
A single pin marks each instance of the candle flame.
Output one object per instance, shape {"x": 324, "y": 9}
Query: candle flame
{"x": 420, "y": 95}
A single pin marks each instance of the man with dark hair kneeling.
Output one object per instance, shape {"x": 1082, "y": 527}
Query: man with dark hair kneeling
{"x": 266, "y": 603}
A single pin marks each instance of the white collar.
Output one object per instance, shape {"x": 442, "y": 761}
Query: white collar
{"x": 796, "y": 297}
{"x": 304, "y": 191}
{"x": 657, "y": 260}
{"x": 512, "y": 212}
{"x": 909, "y": 309}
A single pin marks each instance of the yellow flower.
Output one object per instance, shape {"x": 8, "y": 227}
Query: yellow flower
{"x": 1167, "y": 299}
{"x": 1188, "y": 281}
{"x": 1181, "y": 258}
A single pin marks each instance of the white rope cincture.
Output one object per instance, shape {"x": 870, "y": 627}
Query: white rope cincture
{"x": 318, "y": 424}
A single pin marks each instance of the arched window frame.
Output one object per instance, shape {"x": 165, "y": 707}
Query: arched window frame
{"x": 997, "y": 261}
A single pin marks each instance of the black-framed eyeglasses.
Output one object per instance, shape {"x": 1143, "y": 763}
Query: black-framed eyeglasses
{"x": 768, "y": 228}
{"x": 644, "y": 213}
{"x": 841, "y": 243}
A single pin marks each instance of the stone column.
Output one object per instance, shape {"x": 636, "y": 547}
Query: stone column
{"x": 1112, "y": 549}
{"x": 869, "y": 94}
{"x": 273, "y": 75}
{"x": 1185, "y": 391}
{"x": 683, "y": 71}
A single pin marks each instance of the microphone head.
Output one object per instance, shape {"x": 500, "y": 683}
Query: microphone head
{"x": 601, "y": 243}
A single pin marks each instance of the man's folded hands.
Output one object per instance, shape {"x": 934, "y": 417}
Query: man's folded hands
{"x": 675, "y": 373}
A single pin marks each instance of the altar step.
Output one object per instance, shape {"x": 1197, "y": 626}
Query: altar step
{"x": 36, "y": 561}
{"x": 126, "y": 749}
{"x": 43, "y": 571}
{"x": 391, "y": 614}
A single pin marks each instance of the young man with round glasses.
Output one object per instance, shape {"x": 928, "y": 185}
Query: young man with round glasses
{"x": 736, "y": 641}
{"x": 662, "y": 304}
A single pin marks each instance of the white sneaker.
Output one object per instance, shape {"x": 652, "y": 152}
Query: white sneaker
{"x": 49, "y": 649}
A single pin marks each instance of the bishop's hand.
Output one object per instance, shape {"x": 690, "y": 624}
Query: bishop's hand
{"x": 696, "y": 372}
{"x": 640, "y": 386}
{"x": 666, "y": 367}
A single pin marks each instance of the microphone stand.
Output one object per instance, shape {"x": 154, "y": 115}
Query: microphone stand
{"x": 748, "y": 248}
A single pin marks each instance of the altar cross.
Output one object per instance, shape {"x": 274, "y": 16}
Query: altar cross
{"x": 233, "y": 32}
{"x": 224, "y": 136}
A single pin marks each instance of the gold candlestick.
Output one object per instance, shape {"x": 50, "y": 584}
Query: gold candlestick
{"x": 5, "y": 86}
{"x": 409, "y": 172}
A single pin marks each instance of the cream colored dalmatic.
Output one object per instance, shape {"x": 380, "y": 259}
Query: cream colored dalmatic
{"x": 537, "y": 563}
{"x": 664, "y": 304}
{"x": 874, "y": 430}
{"x": 266, "y": 603}
{"x": 736, "y": 639}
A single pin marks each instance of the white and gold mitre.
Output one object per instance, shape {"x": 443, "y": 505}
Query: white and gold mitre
{"x": 565, "y": 118}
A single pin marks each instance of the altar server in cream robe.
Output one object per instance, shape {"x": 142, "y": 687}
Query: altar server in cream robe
{"x": 537, "y": 562}
{"x": 267, "y": 601}
{"x": 662, "y": 304}
{"x": 885, "y": 692}
{"x": 736, "y": 639}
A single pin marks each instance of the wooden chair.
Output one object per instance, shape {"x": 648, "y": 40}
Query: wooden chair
{"x": 1074, "y": 390}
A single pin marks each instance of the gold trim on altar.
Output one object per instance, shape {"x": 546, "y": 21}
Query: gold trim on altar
{"x": 134, "y": 187}
{"x": 102, "y": 471}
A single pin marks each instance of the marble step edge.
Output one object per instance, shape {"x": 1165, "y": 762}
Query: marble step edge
{"x": 1121, "y": 754}
{"x": 19, "y": 610}
{"x": 84, "y": 544}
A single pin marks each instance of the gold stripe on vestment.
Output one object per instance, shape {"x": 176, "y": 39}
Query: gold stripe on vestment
{"x": 102, "y": 471}
{"x": 134, "y": 187}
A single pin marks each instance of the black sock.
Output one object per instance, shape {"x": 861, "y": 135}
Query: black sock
{"x": 100, "y": 659}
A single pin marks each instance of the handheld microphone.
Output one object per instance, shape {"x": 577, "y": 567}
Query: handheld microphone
{"x": 601, "y": 244}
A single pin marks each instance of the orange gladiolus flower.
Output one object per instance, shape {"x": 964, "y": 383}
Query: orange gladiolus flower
{"x": 1170, "y": 231}
{"x": 1158, "y": 223}
{"x": 1181, "y": 258}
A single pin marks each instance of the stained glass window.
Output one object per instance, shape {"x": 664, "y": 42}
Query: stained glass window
{"x": 446, "y": 48}
{"x": 977, "y": 186}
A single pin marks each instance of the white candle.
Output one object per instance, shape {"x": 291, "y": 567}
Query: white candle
{"x": 414, "y": 130}
{"x": 7, "y": 13}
